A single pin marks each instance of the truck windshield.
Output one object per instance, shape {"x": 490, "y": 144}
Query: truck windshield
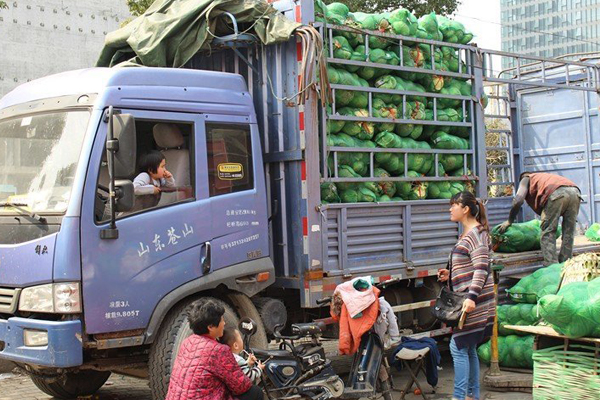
{"x": 38, "y": 159}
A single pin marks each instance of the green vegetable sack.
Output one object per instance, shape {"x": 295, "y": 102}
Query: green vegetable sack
{"x": 540, "y": 283}
{"x": 516, "y": 314}
{"x": 329, "y": 193}
{"x": 429, "y": 24}
{"x": 575, "y": 310}
{"x": 519, "y": 237}
{"x": 593, "y": 232}
{"x": 403, "y": 22}
{"x": 414, "y": 190}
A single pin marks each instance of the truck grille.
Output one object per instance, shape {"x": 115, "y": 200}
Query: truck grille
{"x": 9, "y": 299}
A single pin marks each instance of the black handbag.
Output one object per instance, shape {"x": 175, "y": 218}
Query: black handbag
{"x": 448, "y": 306}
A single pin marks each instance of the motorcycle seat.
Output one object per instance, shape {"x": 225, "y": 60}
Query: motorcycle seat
{"x": 307, "y": 329}
{"x": 264, "y": 354}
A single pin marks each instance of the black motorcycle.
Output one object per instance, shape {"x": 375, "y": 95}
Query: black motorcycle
{"x": 301, "y": 371}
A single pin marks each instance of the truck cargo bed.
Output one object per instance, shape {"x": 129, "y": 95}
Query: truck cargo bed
{"x": 518, "y": 265}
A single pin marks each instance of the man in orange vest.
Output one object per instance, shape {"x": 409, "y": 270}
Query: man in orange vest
{"x": 550, "y": 196}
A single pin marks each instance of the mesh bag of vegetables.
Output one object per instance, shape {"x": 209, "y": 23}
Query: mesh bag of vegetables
{"x": 333, "y": 126}
{"x": 540, "y": 283}
{"x": 358, "y": 161}
{"x": 516, "y": 314}
{"x": 575, "y": 310}
{"x": 441, "y": 170}
{"x": 403, "y": 22}
{"x": 386, "y": 188}
{"x": 329, "y": 193}
{"x": 344, "y": 97}
{"x": 382, "y": 110}
{"x": 469, "y": 184}
{"x": 443, "y": 140}
{"x": 452, "y": 88}
{"x": 420, "y": 163}
{"x": 429, "y": 24}
{"x": 444, "y": 190}
{"x": 360, "y": 129}
{"x": 453, "y": 31}
{"x": 414, "y": 190}
{"x": 513, "y": 351}
{"x": 519, "y": 237}
{"x": 593, "y": 232}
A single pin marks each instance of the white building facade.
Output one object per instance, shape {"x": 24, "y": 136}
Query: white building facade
{"x": 550, "y": 28}
{"x": 39, "y": 38}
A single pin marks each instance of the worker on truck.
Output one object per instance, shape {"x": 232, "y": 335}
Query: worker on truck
{"x": 550, "y": 196}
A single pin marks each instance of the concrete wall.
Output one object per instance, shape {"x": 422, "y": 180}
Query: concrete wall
{"x": 39, "y": 38}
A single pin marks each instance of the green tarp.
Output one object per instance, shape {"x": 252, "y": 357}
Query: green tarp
{"x": 171, "y": 32}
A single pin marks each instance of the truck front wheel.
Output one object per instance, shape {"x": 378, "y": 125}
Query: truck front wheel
{"x": 71, "y": 385}
{"x": 173, "y": 331}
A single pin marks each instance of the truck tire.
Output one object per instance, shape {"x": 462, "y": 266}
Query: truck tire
{"x": 73, "y": 384}
{"x": 245, "y": 308}
{"x": 272, "y": 311}
{"x": 173, "y": 331}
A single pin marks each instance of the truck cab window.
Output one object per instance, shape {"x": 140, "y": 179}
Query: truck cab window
{"x": 164, "y": 175}
{"x": 230, "y": 166}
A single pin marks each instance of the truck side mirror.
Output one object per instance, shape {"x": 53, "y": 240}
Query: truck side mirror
{"x": 125, "y": 156}
{"x": 125, "y": 196}
{"x": 121, "y": 157}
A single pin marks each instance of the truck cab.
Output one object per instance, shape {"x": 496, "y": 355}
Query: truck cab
{"x": 82, "y": 279}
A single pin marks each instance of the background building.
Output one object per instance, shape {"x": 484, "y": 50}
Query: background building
{"x": 550, "y": 28}
{"x": 39, "y": 38}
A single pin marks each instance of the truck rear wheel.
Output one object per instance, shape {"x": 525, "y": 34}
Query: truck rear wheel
{"x": 246, "y": 308}
{"x": 173, "y": 331}
{"x": 73, "y": 384}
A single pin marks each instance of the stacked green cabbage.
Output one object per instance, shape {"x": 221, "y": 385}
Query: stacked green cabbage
{"x": 407, "y": 114}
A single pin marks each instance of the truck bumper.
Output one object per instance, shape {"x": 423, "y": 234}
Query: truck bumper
{"x": 64, "y": 348}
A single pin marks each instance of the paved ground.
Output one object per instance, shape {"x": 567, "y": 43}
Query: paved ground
{"x": 124, "y": 388}
{"x": 5, "y": 366}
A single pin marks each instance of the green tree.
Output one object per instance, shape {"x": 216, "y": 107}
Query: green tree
{"x": 138, "y": 7}
{"x": 3, "y": 5}
{"x": 418, "y": 7}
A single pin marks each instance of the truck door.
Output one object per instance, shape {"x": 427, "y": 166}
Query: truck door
{"x": 237, "y": 191}
{"x": 160, "y": 247}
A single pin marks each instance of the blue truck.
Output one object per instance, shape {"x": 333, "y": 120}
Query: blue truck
{"x": 90, "y": 285}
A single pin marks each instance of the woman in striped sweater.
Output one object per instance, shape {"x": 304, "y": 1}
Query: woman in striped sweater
{"x": 469, "y": 272}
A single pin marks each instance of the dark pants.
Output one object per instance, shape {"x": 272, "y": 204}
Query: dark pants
{"x": 564, "y": 202}
{"x": 255, "y": 393}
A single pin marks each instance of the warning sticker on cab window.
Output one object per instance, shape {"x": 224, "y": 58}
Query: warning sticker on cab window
{"x": 230, "y": 171}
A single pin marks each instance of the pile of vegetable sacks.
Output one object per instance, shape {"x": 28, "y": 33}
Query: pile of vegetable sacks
{"x": 382, "y": 52}
{"x": 515, "y": 348}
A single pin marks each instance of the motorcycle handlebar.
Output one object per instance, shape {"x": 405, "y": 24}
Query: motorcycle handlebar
{"x": 324, "y": 301}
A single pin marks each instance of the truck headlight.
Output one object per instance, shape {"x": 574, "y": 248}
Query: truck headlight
{"x": 35, "y": 338}
{"x": 60, "y": 298}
